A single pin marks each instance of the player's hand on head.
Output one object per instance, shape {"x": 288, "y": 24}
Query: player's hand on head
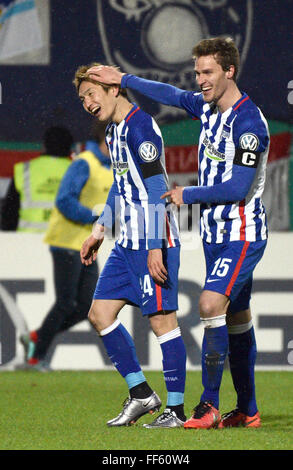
{"x": 156, "y": 267}
{"x": 105, "y": 74}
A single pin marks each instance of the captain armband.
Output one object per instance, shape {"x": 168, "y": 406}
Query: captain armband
{"x": 151, "y": 169}
{"x": 246, "y": 158}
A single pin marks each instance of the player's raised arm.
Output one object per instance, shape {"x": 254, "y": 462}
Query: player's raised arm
{"x": 106, "y": 74}
{"x": 156, "y": 91}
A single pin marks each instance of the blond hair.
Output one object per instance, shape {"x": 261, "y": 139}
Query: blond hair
{"x": 81, "y": 75}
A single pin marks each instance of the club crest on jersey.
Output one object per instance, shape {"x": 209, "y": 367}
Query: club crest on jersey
{"x": 211, "y": 152}
{"x": 249, "y": 141}
{"x": 148, "y": 151}
{"x": 225, "y": 132}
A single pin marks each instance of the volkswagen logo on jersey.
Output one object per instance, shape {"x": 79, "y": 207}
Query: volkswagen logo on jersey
{"x": 249, "y": 142}
{"x": 156, "y": 38}
{"x": 148, "y": 151}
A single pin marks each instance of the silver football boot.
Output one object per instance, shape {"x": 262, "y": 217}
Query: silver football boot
{"x": 168, "y": 419}
{"x": 134, "y": 408}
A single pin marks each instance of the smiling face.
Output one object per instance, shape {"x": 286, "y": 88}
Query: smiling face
{"x": 213, "y": 81}
{"x": 98, "y": 101}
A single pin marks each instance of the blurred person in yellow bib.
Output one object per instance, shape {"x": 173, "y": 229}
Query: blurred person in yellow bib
{"x": 85, "y": 185}
{"x": 36, "y": 182}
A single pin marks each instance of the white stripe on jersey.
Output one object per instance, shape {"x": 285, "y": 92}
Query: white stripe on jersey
{"x": 205, "y": 225}
{"x": 122, "y": 240}
{"x": 236, "y": 223}
{"x": 220, "y": 224}
{"x": 143, "y": 197}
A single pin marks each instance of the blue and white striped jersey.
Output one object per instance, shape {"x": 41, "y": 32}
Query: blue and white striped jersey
{"x": 238, "y": 136}
{"x": 137, "y": 154}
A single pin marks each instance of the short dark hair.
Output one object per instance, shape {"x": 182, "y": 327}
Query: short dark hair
{"x": 58, "y": 141}
{"x": 223, "y": 49}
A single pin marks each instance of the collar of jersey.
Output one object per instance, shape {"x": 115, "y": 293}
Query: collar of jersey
{"x": 126, "y": 119}
{"x": 238, "y": 103}
{"x": 131, "y": 112}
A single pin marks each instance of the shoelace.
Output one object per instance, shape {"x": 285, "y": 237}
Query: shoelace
{"x": 125, "y": 403}
{"x": 201, "y": 409}
{"x": 230, "y": 414}
{"x": 164, "y": 416}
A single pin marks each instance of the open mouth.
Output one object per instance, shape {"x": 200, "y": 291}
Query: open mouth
{"x": 95, "y": 110}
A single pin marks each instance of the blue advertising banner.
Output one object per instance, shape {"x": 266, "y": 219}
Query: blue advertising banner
{"x": 151, "y": 38}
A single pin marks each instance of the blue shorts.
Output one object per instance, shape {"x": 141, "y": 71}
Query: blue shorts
{"x": 126, "y": 276}
{"x": 229, "y": 270}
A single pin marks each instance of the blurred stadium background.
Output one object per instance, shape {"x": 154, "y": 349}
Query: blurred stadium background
{"x": 39, "y": 53}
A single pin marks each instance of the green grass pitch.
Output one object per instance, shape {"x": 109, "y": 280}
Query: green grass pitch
{"x": 68, "y": 410}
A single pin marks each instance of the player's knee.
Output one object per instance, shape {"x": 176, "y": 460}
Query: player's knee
{"x": 92, "y": 316}
{"x": 212, "y": 305}
{"x": 100, "y": 318}
{"x": 206, "y": 308}
{"x": 162, "y": 324}
{"x": 95, "y": 317}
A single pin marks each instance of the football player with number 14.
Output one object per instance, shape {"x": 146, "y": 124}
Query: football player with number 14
{"x": 142, "y": 268}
